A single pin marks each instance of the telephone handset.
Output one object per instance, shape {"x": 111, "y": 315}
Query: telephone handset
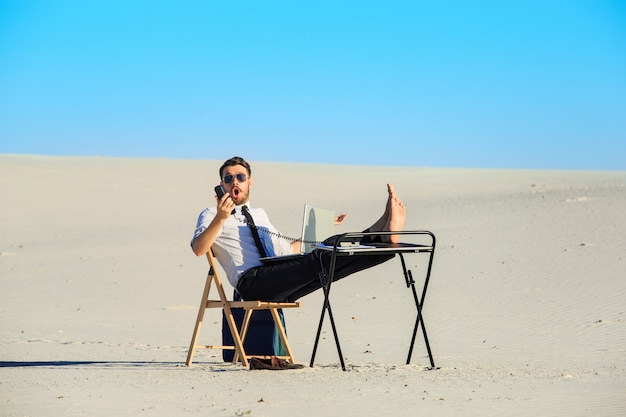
{"x": 219, "y": 191}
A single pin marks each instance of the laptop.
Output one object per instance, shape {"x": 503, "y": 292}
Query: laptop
{"x": 317, "y": 225}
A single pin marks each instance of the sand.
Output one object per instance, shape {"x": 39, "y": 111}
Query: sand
{"x": 99, "y": 290}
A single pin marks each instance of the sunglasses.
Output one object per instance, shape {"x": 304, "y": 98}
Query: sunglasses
{"x": 229, "y": 178}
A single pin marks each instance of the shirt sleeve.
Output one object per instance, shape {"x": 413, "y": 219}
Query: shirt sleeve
{"x": 204, "y": 220}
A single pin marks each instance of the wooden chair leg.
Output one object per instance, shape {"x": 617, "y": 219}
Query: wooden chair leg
{"x": 192, "y": 346}
{"x": 240, "y": 353}
{"x": 245, "y": 325}
{"x": 199, "y": 319}
{"x": 282, "y": 333}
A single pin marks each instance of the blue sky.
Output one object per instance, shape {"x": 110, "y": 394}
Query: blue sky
{"x": 494, "y": 84}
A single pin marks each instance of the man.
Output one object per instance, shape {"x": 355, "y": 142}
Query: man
{"x": 234, "y": 245}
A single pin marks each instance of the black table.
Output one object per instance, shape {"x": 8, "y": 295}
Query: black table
{"x": 344, "y": 246}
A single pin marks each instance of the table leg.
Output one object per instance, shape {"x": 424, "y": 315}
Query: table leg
{"x": 418, "y": 305}
{"x": 319, "y": 328}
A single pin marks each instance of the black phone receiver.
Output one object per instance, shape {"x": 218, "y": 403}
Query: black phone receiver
{"x": 219, "y": 191}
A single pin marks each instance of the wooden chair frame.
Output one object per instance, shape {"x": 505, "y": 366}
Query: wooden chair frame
{"x": 249, "y": 307}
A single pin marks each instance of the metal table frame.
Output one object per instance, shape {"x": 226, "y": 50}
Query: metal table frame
{"x": 338, "y": 249}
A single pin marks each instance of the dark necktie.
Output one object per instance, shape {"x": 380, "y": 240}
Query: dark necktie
{"x": 255, "y": 231}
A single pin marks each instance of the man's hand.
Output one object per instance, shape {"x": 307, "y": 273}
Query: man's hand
{"x": 339, "y": 219}
{"x": 225, "y": 206}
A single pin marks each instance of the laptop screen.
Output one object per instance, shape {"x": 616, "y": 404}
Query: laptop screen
{"x": 317, "y": 225}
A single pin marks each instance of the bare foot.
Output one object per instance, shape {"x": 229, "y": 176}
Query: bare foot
{"x": 393, "y": 218}
{"x": 397, "y": 215}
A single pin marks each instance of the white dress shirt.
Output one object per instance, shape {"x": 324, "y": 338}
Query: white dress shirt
{"x": 234, "y": 246}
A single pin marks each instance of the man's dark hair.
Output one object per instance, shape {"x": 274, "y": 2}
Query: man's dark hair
{"x": 235, "y": 160}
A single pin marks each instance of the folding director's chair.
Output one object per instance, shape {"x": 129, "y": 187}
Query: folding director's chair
{"x": 238, "y": 336}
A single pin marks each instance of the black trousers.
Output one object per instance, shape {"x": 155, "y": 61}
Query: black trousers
{"x": 292, "y": 279}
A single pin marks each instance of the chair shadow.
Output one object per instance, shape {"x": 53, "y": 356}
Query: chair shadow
{"x": 23, "y": 364}
{"x": 207, "y": 366}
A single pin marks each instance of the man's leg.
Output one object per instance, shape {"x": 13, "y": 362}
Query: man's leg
{"x": 277, "y": 282}
{"x": 344, "y": 266}
{"x": 290, "y": 280}
{"x": 293, "y": 279}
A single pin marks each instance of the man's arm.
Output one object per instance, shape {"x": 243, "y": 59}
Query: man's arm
{"x": 203, "y": 242}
